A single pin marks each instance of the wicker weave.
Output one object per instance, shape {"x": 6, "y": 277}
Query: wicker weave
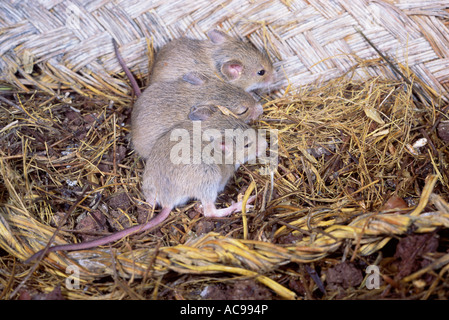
{"x": 55, "y": 43}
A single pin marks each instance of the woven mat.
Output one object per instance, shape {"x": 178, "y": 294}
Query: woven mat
{"x": 53, "y": 44}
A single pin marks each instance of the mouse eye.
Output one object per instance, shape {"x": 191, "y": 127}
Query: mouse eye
{"x": 261, "y": 72}
{"x": 241, "y": 113}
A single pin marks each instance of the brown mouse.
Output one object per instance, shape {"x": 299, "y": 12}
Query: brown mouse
{"x": 167, "y": 102}
{"x": 175, "y": 172}
{"x": 169, "y": 184}
{"x": 163, "y": 104}
{"x": 232, "y": 60}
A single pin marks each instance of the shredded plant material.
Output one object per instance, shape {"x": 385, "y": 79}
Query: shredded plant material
{"x": 350, "y": 182}
{"x": 355, "y": 208}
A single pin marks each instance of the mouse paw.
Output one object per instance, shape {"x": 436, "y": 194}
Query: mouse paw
{"x": 239, "y": 204}
{"x": 211, "y": 211}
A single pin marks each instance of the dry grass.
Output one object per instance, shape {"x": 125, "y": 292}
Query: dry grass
{"x": 345, "y": 149}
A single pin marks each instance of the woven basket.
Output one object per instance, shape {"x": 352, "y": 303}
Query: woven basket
{"x": 53, "y": 44}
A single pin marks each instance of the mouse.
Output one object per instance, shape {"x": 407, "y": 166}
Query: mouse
{"x": 163, "y": 104}
{"x": 170, "y": 184}
{"x": 169, "y": 101}
{"x": 230, "y": 59}
{"x": 175, "y": 172}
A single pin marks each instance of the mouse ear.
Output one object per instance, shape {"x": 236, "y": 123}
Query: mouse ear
{"x": 232, "y": 69}
{"x": 201, "y": 112}
{"x": 194, "y": 78}
{"x": 217, "y": 36}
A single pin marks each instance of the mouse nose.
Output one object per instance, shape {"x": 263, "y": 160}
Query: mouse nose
{"x": 271, "y": 77}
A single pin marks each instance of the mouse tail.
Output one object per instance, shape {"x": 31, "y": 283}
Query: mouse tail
{"x": 128, "y": 73}
{"x": 107, "y": 239}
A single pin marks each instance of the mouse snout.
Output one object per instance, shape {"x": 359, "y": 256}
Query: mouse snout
{"x": 271, "y": 77}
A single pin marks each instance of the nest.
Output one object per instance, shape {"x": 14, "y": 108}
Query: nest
{"x": 338, "y": 167}
{"x": 361, "y": 178}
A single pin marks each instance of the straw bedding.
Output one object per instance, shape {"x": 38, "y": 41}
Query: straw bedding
{"x": 355, "y": 184}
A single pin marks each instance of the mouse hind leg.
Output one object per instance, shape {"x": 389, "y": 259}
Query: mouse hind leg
{"x": 149, "y": 191}
{"x": 210, "y": 210}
